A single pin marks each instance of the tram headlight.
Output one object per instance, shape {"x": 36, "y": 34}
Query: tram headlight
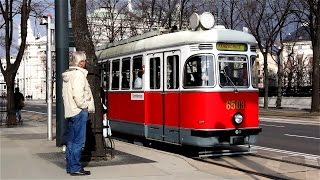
{"x": 237, "y": 119}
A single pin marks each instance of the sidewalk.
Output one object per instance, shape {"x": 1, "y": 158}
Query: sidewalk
{"x": 288, "y": 113}
{"x": 27, "y": 154}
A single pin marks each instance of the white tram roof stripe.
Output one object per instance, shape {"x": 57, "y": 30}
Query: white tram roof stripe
{"x": 176, "y": 39}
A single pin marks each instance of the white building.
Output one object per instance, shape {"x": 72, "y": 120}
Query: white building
{"x": 297, "y": 56}
{"x": 31, "y": 75}
{"x": 259, "y": 66}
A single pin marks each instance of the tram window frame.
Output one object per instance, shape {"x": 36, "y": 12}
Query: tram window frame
{"x": 127, "y": 73}
{"x": 174, "y": 73}
{"x": 254, "y": 71}
{"x": 155, "y": 73}
{"x": 137, "y": 70}
{"x": 230, "y": 71}
{"x": 105, "y": 75}
{"x": 192, "y": 71}
{"x": 115, "y": 74}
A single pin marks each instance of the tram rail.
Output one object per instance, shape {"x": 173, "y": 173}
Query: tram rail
{"x": 245, "y": 164}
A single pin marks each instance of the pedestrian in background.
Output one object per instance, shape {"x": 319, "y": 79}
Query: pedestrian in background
{"x": 18, "y": 103}
{"x": 78, "y": 102}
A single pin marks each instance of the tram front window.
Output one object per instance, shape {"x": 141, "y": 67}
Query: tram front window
{"x": 198, "y": 71}
{"x": 233, "y": 71}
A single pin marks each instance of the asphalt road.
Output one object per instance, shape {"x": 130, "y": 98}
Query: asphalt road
{"x": 38, "y": 106}
{"x": 291, "y": 136}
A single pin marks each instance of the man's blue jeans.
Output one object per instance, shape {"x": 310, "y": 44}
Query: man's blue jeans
{"x": 76, "y": 138}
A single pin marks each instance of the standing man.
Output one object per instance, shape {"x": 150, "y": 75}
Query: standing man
{"x": 78, "y": 102}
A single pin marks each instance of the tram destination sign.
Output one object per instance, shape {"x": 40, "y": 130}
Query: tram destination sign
{"x": 231, "y": 46}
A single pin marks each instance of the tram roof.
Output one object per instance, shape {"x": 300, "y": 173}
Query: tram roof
{"x": 160, "y": 41}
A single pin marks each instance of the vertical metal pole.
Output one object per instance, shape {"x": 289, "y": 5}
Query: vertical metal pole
{"x": 62, "y": 63}
{"x": 49, "y": 79}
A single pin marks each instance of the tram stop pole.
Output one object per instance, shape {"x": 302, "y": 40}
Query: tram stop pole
{"x": 62, "y": 63}
{"x": 46, "y": 20}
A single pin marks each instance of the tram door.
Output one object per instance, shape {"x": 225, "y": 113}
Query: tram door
{"x": 171, "y": 128}
{"x": 163, "y": 98}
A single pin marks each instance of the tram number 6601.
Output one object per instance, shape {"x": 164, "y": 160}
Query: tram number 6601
{"x": 235, "y": 104}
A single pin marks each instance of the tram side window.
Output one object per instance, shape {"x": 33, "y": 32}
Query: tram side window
{"x": 125, "y": 72}
{"x": 105, "y": 75}
{"x": 173, "y": 72}
{"x": 115, "y": 75}
{"x": 254, "y": 71}
{"x": 137, "y": 71}
{"x": 199, "y": 71}
{"x": 233, "y": 71}
{"x": 155, "y": 73}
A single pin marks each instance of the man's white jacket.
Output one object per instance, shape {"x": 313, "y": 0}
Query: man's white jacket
{"x": 76, "y": 92}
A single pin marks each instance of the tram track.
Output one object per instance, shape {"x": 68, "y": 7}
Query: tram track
{"x": 210, "y": 161}
{"x": 287, "y": 161}
{"x": 264, "y": 166}
{"x": 260, "y": 165}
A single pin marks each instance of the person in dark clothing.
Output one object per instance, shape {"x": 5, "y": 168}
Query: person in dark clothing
{"x": 18, "y": 103}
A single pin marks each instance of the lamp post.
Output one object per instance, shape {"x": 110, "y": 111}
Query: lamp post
{"x": 46, "y": 20}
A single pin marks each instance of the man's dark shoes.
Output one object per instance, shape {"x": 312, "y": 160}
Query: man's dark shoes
{"x": 80, "y": 173}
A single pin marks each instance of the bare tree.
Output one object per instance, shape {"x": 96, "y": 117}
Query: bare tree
{"x": 230, "y": 14}
{"x": 308, "y": 13}
{"x": 184, "y": 13}
{"x": 83, "y": 42}
{"x": 157, "y": 13}
{"x": 10, "y": 10}
{"x": 265, "y": 19}
{"x": 7, "y": 10}
{"x": 107, "y": 21}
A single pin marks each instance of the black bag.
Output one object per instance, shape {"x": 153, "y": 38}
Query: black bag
{"x": 21, "y": 104}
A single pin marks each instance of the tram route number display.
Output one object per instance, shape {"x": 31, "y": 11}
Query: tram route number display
{"x": 235, "y": 104}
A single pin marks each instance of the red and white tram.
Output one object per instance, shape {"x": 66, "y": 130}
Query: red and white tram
{"x": 188, "y": 88}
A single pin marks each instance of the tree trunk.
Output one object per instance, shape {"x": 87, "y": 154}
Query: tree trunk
{"x": 280, "y": 76}
{"x": 265, "y": 80}
{"x": 10, "y": 102}
{"x": 315, "y": 103}
{"x": 83, "y": 42}
{"x": 315, "y": 75}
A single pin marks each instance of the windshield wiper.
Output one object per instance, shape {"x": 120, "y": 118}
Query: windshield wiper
{"x": 234, "y": 86}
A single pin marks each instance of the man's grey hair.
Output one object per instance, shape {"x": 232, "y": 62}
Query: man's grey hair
{"x": 76, "y": 57}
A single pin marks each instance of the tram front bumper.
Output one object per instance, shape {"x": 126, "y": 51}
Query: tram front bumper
{"x": 226, "y": 132}
{"x": 233, "y": 137}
